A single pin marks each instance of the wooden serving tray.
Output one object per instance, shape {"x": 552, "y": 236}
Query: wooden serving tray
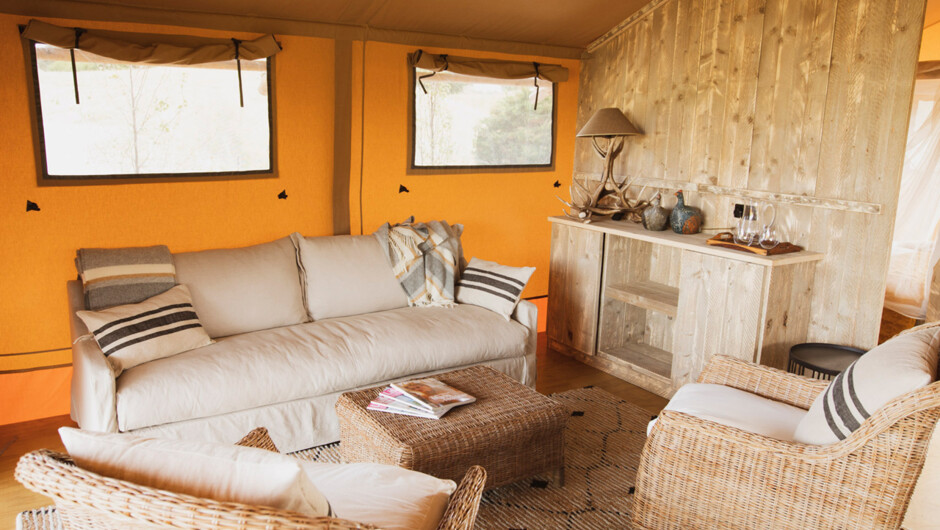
{"x": 726, "y": 240}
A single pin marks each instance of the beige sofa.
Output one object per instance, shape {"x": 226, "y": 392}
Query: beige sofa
{"x": 296, "y": 322}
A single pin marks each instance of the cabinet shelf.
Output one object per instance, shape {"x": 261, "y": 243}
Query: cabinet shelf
{"x": 647, "y": 295}
{"x": 649, "y": 358}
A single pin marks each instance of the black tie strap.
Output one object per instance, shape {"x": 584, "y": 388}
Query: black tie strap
{"x": 238, "y": 64}
{"x": 536, "y": 65}
{"x": 78, "y": 36}
{"x": 422, "y": 78}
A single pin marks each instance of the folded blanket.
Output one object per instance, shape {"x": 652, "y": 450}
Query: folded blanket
{"x": 118, "y": 276}
{"x": 425, "y": 259}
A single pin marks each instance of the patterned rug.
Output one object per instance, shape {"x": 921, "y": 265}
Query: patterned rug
{"x": 602, "y": 451}
{"x": 603, "y": 441}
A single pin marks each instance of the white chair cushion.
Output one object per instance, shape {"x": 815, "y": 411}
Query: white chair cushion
{"x": 736, "y": 408}
{"x": 347, "y": 275}
{"x": 387, "y": 496}
{"x": 897, "y": 367}
{"x": 314, "y": 359}
{"x": 240, "y": 290}
{"x": 225, "y": 473}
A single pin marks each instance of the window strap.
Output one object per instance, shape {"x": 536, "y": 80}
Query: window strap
{"x": 78, "y": 36}
{"x": 238, "y": 64}
{"x": 536, "y": 65}
{"x": 422, "y": 78}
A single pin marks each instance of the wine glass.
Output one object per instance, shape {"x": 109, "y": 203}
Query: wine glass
{"x": 748, "y": 228}
{"x": 769, "y": 235}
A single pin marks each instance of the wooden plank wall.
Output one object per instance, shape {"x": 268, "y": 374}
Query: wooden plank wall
{"x": 809, "y": 98}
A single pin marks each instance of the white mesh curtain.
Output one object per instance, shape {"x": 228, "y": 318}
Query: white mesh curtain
{"x": 914, "y": 251}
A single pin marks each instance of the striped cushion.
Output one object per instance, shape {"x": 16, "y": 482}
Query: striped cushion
{"x": 897, "y": 367}
{"x": 493, "y": 286}
{"x": 155, "y": 328}
{"x": 116, "y": 276}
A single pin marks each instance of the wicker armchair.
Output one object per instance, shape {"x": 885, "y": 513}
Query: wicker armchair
{"x": 87, "y": 500}
{"x": 698, "y": 474}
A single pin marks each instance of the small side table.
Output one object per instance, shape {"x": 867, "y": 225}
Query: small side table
{"x": 824, "y": 360}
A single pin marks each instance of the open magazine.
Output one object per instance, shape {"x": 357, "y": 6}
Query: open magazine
{"x": 424, "y": 398}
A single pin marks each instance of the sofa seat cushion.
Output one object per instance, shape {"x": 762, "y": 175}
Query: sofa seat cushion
{"x": 736, "y": 408}
{"x": 312, "y": 359}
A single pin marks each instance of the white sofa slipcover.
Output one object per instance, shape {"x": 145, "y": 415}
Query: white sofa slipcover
{"x": 288, "y": 378}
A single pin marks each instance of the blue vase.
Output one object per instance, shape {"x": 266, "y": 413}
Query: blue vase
{"x": 685, "y": 219}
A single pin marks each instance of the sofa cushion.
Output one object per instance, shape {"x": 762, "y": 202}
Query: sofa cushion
{"x": 313, "y": 359}
{"x": 387, "y": 496}
{"x": 347, "y": 275}
{"x": 736, "y": 408}
{"x": 493, "y": 286}
{"x": 158, "y": 327}
{"x": 240, "y": 290}
{"x": 225, "y": 473}
{"x": 901, "y": 365}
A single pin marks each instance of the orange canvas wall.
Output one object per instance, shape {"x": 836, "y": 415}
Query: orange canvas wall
{"x": 38, "y": 247}
{"x": 504, "y": 213}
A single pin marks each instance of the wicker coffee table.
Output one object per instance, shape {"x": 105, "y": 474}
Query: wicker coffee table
{"x": 511, "y": 430}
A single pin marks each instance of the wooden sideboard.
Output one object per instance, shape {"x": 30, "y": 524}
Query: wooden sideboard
{"x": 653, "y": 307}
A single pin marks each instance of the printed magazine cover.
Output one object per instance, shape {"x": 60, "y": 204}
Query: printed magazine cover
{"x": 433, "y": 395}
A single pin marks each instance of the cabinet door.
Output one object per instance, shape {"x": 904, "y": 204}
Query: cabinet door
{"x": 573, "y": 287}
{"x": 719, "y": 313}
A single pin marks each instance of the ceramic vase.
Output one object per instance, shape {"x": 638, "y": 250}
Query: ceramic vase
{"x": 685, "y": 219}
{"x": 655, "y": 217}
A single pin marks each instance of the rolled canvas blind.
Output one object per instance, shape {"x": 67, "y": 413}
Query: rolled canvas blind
{"x": 168, "y": 50}
{"x": 151, "y": 49}
{"x": 493, "y": 68}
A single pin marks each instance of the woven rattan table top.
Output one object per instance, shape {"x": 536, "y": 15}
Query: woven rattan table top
{"x": 501, "y": 404}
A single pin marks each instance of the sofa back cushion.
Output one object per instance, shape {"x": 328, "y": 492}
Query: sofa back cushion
{"x": 901, "y": 365}
{"x": 240, "y": 290}
{"x": 347, "y": 275}
{"x": 226, "y": 473}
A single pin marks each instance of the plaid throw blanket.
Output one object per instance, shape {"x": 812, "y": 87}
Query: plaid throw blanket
{"x": 424, "y": 258}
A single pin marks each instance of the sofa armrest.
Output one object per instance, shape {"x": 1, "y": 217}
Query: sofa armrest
{"x": 527, "y": 314}
{"x": 762, "y": 380}
{"x": 94, "y": 389}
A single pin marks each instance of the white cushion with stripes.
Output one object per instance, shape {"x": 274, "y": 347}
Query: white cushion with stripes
{"x": 158, "y": 327}
{"x": 897, "y": 367}
{"x": 492, "y": 286}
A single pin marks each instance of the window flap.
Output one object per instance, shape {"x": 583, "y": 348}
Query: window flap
{"x": 150, "y": 49}
{"x": 494, "y": 68}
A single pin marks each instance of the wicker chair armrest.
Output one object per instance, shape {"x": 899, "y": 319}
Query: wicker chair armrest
{"x": 259, "y": 439}
{"x": 118, "y": 503}
{"x": 464, "y": 504}
{"x": 770, "y": 383}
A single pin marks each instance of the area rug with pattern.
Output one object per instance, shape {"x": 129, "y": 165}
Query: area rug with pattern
{"x": 603, "y": 441}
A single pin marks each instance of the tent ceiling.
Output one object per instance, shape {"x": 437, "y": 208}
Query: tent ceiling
{"x": 563, "y": 23}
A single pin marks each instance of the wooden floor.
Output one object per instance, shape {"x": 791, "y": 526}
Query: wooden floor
{"x": 556, "y": 373}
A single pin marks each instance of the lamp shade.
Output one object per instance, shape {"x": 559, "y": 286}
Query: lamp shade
{"x": 608, "y": 122}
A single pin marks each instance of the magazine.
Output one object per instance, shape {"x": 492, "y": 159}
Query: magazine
{"x": 391, "y": 400}
{"x": 433, "y": 395}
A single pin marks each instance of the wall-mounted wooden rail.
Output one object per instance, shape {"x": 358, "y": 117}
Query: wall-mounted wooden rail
{"x": 782, "y": 198}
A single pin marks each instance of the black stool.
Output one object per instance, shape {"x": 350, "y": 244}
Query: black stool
{"x": 824, "y": 360}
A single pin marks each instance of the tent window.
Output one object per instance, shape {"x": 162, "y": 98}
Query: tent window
{"x": 149, "y": 121}
{"x": 467, "y": 121}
